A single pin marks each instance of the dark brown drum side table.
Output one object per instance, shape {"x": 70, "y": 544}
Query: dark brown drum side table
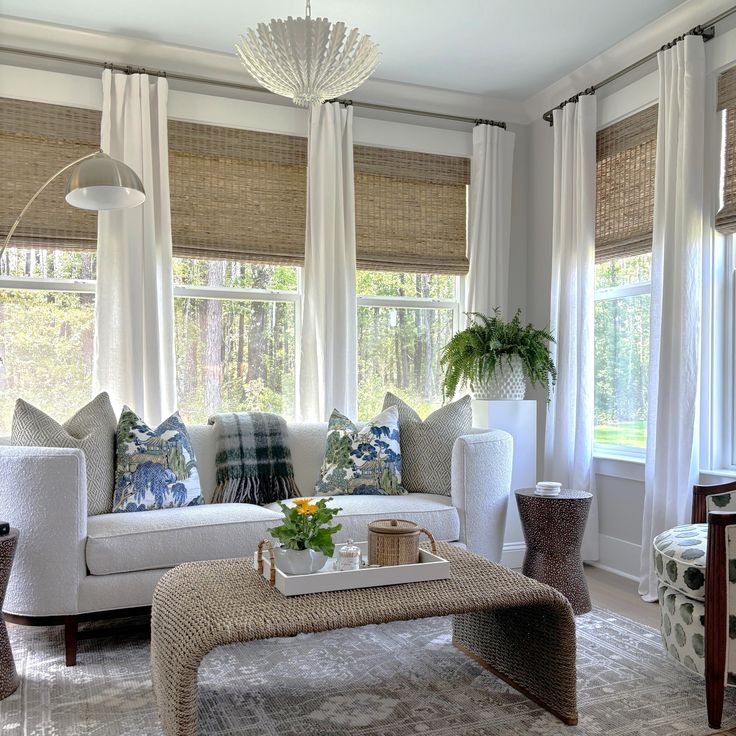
{"x": 553, "y": 531}
{"x": 8, "y": 675}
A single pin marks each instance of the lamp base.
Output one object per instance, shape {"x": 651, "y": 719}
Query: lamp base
{"x": 4, "y": 528}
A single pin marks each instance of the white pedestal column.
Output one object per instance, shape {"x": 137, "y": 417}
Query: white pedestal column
{"x": 519, "y": 419}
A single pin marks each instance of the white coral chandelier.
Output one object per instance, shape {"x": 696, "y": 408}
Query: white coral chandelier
{"x": 308, "y": 59}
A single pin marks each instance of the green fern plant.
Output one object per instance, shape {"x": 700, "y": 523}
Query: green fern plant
{"x": 473, "y": 355}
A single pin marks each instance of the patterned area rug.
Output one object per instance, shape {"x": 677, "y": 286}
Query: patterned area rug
{"x": 402, "y": 678}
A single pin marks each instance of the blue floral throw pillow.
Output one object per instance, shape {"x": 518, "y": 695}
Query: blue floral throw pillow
{"x": 362, "y": 462}
{"x": 155, "y": 468}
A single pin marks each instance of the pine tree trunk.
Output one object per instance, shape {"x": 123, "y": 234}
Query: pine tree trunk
{"x": 257, "y": 337}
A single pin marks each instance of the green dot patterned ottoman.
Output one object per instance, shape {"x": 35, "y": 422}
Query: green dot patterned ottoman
{"x": 679, "y": 559}
{"x": 682, "y": 623}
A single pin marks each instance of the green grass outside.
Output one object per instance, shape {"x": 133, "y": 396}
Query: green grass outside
{"x": 630, "y": 434}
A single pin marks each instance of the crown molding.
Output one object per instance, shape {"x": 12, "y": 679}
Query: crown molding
{"x": 28, "y": 35}
{"x": 641, "y": 43}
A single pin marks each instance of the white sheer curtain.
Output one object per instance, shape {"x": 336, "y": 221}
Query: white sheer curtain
{"x": 134, "y": 305}
{"x": 674, "y": 365}
{"x": 568, "y": 456}
{"x": 328, "y": 364}
{"x": 489, "y": 219}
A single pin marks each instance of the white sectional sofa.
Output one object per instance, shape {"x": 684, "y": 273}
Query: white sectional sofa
{"x": 70, "y": 565}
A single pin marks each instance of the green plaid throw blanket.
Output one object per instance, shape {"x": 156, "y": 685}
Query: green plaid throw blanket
{"x": 253, "y": 459}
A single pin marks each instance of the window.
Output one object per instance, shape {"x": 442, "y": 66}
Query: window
{"x": 48, "y": 273}
{"x": 621, "y": 353}
{"x": 722, "y": 414}
{"x": 47, "y": 336}
{"x": 410, "y": 221}
{"x": 238, "y": 200}
{"x": 626, "y": 153}
{"x": 404, "y": 320}
{"x": 235, "y": 337}
{"x": 726, "y": 217}
{"x": 237, "y": 217}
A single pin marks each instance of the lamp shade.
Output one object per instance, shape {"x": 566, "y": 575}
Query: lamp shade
{"x": 103, "y": 183}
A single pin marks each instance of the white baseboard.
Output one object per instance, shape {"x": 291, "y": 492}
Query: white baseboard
{"x": 618, "y": 556}
{"x": 513, "y": 554}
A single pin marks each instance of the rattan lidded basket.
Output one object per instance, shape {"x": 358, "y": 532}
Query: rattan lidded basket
{"x": 395, "y": 542}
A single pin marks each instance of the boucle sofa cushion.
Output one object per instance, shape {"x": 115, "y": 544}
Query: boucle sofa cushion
{"x": 430, "y": 511}
{"x": 91, "y": 429}
{"x": 118, "y": 543}
{"x": 679, "y": 558}
{"x": 155, "y": 468}
{"x": 130, "y": 542}
{"x": 426, "y": 446}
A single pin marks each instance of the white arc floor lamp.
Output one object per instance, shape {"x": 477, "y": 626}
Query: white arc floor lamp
{"x": 96, "y": 182}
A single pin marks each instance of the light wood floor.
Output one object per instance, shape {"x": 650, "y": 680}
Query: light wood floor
{"x": 618, "y": 594}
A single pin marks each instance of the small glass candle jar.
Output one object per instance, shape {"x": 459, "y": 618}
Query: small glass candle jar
{"x": 348, "y": 557}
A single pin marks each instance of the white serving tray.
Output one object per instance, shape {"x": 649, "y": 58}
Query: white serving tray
{"x": 429, "y": 567}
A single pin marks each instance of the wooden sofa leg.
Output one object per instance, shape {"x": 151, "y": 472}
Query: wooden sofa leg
{"x": 70, "y": 639}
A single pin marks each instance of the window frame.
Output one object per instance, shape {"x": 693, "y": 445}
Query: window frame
{"x": 622, "y": 452}
{"x": 34, "y": 283}
{"x": 416, "y": 302}
{"x": 246, "y": 294}
{"x": 728, "y": 382}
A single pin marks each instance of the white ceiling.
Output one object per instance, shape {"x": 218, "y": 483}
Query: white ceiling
{"x": 504, "y": 48}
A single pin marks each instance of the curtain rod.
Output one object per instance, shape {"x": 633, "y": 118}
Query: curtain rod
{"x": 128, "y": 69}
{"x": 706, "y": 30}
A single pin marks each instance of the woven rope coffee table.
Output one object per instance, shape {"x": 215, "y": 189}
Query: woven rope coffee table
{"x": 521, "y": 630}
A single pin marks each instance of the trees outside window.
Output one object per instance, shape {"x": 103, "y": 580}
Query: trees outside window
{"x": 235, "y": 337}
{"x": 622, "y": 297}
{"x": 404, "y": 319}
{"x": 236, "y": 334}
{"x": 47, "y": 305}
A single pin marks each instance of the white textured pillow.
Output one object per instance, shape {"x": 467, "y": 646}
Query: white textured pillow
{"x": 426, "y": 446}
{"x": 91, "y": 429}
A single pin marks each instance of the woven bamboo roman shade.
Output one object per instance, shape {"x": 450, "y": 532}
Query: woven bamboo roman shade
{"x": 410, "y": 211}
{"x": 625, "y": 160}
{"x": 36, "y": 140}
{"x": 237, "y": 194}
{"x": 726, "y": 217}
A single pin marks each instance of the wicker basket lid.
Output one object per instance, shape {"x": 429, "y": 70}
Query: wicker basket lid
{"x": 393, "y": 526}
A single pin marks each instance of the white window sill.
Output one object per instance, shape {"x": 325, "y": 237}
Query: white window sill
{"x": 614, "y": 465}
{"x": 632, "y": 468}
{"x": 715, "y": 475}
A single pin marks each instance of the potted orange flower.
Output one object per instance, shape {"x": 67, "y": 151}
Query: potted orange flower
{"x": 305, "y": 535}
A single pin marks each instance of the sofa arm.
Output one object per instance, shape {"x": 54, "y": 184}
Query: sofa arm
{"x": 481, "y": 483}
{"x": 43, "y": 492}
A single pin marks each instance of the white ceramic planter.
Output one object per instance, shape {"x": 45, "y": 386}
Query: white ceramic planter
{"x": 299, "y": 561}
{"x": 506, "y": 384}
